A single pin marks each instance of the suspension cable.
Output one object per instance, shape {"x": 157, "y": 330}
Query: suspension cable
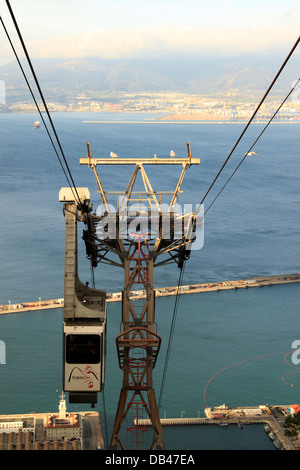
{"x": 209, "y": 189}
{"x": 36, "y": 104}
{"x": 41, "y": 94}
{"x": 105, "y": 416}
{"x": 171, "y": 334}
{"x": 246, "y": 154}
{"x": 250, "y": 120}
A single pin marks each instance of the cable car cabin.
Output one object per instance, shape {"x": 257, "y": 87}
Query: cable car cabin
{"x": 84, "y": 360}
{"x": 84, "y": 326}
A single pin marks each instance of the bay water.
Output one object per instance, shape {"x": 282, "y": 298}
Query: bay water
{"x": 228, "y": 347}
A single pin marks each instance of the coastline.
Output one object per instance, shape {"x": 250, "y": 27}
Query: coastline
{"x": 163, "y": 119}
{"x": 193, "y": 121}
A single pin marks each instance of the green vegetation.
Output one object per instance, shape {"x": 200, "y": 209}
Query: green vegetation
{"x": 292, "y": 425}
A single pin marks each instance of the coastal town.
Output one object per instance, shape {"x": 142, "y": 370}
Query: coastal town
{"x": 223, "y": 106}
{"x": 82, "y": 430}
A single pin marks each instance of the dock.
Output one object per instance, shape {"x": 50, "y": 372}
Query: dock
{"x": 260, "y": 281}
{"x": 268, "y": 417}
{"x": 31, "y": 306}
{"x": 276, "y": 429}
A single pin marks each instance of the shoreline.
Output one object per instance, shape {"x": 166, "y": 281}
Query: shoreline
{"x": 272, "y": 425}
{"x": 163, "y": 119}
{"x": 193, "y": 121}
{"x": 261, "y": 281}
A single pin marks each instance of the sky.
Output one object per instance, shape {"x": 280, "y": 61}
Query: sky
{"x": 150, "y": 28}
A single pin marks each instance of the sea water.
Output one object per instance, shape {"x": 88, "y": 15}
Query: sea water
{"x": 228, "y": 347}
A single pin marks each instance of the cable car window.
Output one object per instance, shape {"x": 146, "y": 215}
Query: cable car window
{"x": 83, "y": 349}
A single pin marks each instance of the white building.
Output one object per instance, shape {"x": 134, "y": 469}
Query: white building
{"x": 63, "y": 426}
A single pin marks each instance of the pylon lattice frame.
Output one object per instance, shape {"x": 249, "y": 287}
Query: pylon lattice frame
{"x": 138, "y": 344}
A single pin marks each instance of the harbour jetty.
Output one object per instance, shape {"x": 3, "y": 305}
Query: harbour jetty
{"x": 271, "y": 417}
{"x": 261, "y": 281}
{"x": 189, "y": 119}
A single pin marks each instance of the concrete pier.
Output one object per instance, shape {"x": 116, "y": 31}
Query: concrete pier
{"x": 261, "y": 281}
{"x": 270, "y": 420}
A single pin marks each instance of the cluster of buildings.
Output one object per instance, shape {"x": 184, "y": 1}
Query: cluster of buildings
{"x": 176, "y": 106}
{"x": 42, "y": 431}
{"x": 288, "y": 410}
{"x": 224, "y": 412}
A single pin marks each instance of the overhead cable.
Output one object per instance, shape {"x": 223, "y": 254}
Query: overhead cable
{"x": 250, "y": 120}
{"x": 212, "y": 184}
{"x": 35, "y": 101}
{"x": 246, "y": 154}
{"x": 41, "y": 94}
{"x": 175, "y": 310}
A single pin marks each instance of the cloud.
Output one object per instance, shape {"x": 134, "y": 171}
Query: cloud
{"x": 166, "y": 39}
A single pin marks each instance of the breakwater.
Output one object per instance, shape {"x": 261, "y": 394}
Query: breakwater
{"x": 276, "y": 432}
{"x": 261, "y": 281}
{"x": 188, "y": 121}
{"x": 272, "y": 425}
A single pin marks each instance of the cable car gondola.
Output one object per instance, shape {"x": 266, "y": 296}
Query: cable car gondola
{"x": 84, "y": 326}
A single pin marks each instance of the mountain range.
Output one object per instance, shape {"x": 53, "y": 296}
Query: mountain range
{"x": 195, "y": 75}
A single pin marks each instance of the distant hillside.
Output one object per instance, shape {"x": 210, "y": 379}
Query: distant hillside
{"x": 180, "y": 74}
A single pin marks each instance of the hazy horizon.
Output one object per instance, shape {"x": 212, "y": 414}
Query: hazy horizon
{"x": 150, "y": 29}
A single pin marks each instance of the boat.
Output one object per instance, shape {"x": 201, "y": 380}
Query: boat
{"x": 277, "y": 444}
{"x": 37, "y": 124}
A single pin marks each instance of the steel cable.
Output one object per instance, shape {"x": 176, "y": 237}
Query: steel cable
{"x": 36, "y": 104}
{"x": 171, "y": 334}
{"x": 246, "y": 154}
{"x": 250, "y": 121}
{"x": 41, "y": 95}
